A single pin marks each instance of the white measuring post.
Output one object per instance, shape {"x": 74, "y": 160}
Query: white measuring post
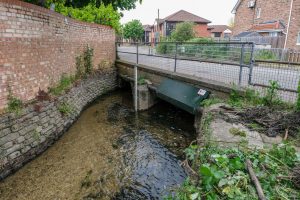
{"x": 136, "y": 79}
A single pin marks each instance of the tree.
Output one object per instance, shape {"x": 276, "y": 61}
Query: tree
{"x": 184, "y": 31}
{"x": 116, "y": 4}
{"x": 133, "y": 30}
{"x": 103, "y": 14}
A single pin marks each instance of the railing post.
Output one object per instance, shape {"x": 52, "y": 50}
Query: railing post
{"x": 136, "y": 79}
{"x": 251, "y": 64}
{"x": 176, "y": 51}
{"x": 241, "y": 64}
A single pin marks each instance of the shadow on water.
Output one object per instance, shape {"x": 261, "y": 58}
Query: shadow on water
{"x": 109, "y": 153}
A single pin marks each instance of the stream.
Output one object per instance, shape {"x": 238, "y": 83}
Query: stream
{"x": 109, "y": 153}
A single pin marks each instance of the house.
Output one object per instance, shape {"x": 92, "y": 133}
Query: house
{"x": 147, "y": 34}
{"x": 219, "y": 31}
{"x": 269, "y": 18}
{"x": 168, "y": 24}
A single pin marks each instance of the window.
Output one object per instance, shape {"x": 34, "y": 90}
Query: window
{"x": 217, "y": 35}
{"x": 273, "y": 34}
{"x": 298, "y": 39}
{"x": 258, "y": 12}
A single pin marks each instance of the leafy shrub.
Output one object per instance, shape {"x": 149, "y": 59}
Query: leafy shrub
{"x": 298, "y": 99}
{"x": 166, "y": 47}
{"x": 105, "y": 15}
{"x": 15, "y": 104}
{"x": 183, "y": 32}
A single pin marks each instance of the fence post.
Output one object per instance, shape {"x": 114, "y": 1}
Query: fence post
{"x": 136, "y": 78}
{"x": 251, "y": 64}
{"x": 176, "y": 51}
{"x": 241, "y": 64}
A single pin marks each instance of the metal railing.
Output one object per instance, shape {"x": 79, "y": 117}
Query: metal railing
{"x": 225, "y": 62}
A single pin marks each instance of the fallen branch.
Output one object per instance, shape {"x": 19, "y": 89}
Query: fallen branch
{"x": 286, "y": 134}
{"x": 255, "y": 180}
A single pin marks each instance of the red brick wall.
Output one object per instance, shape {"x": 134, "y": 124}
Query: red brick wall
{"x": 201, "y": 30}
{"x": 294, "y": 27}
{"x": 37, "y": 46}
{"x": 270, "y": 10}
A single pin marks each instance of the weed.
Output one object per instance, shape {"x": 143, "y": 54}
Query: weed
{"x": 64, "y": 84}
{"x": 271, "y": 98}
{"x": 36, "y": 135}
{"x": 255, "y": 126}
{"x": 141, "y": 80}
{"x": 298, "y": 99}
{"x": 211, "y": 101}
{"x": 84, "y": 63}
{"x": 42, "y": 96}
{"x": 86, "y": 182}
{"x": 65, "y": 108}
{"x": 205, "y": 126}
{"x": 88, "y": 60}
{"x": 252, "y": 97}
{"x": 235, "y": 99}
{"x": 224, "y": 175}
{"x": 14, "y": 104}
{"x": 237, "y": 132}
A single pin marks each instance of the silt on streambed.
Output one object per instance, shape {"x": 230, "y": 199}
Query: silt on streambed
{"x": 109, "y": 153}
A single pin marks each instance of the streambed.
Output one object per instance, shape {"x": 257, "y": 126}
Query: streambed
{"x": 109, "y": 153}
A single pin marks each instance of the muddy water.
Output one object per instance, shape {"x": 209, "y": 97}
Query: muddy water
{"x": 86, "y": 163}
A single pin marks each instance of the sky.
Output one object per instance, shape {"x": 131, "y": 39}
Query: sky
{"x": 217, "y": 11}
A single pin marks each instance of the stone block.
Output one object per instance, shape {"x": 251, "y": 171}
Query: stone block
{"x": 14, "y": 148}
{"x": 5, "y": 132}
{"x": 14, "y": 155}
{"x": 8, "y": 138}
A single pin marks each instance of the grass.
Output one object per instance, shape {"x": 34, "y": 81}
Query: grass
{"x": 15, "y": 105}
{"x": 255, "y": 126}
{"x": 253, "y": 98}
{"x": 65, "y": 83}
{"x": 65, "y": 108}
{"x": 211, "y": 101}
{"x": 237, "y": 132}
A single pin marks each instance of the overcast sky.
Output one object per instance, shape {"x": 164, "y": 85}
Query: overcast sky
{"x": 217, "y": 11}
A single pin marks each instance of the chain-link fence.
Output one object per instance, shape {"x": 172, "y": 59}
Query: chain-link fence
{"x": 228, "y": 62}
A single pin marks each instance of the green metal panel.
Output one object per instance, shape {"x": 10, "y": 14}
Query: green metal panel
{"x": 182, "y": 95}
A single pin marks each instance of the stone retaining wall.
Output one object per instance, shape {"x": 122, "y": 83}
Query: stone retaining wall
{"x": 26, "y": 135}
